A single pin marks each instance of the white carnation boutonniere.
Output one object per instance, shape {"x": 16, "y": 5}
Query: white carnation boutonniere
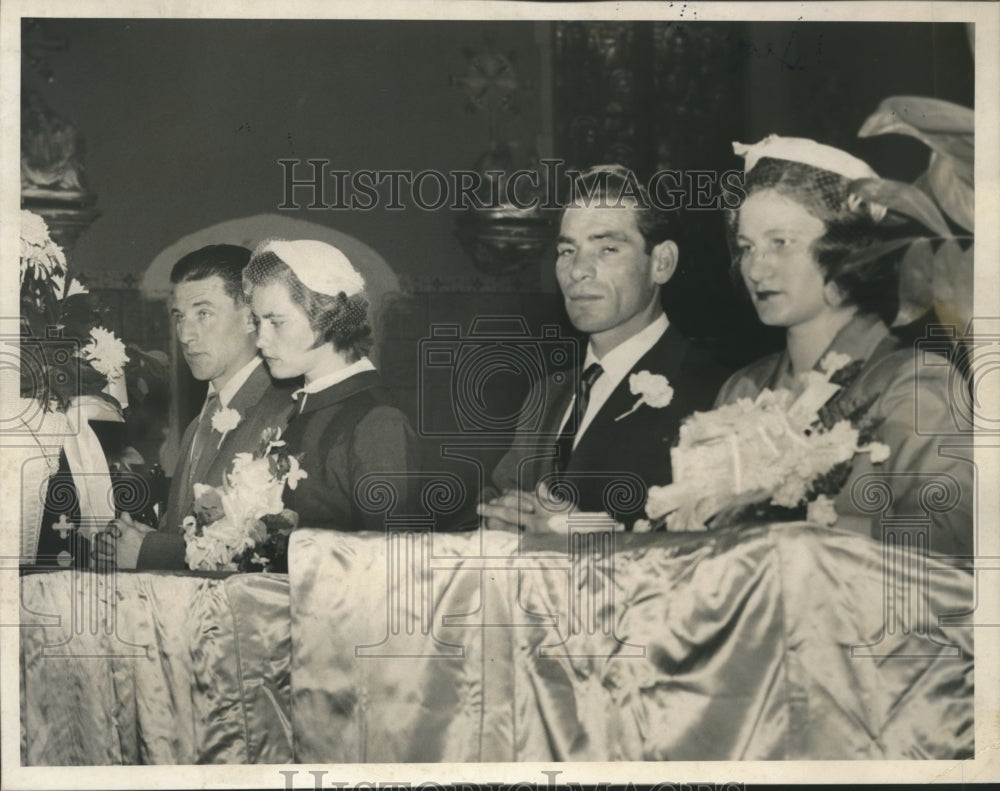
{"x": 652, "y": 389}
{"x": 224, "y": 421}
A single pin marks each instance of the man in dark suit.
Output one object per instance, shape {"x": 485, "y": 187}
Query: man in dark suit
{"x": 614, "y": 255}
{"x": 216, "y": 331}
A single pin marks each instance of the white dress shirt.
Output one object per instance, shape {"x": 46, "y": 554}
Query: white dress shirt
{"x": 236, "y": 381}
{"x": 225, "y": 395}
{"x": 615, "y": 365}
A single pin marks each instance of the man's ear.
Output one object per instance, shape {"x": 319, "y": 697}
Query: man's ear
{"x": 250, "y": 326}
{"x": 664, "y": 261}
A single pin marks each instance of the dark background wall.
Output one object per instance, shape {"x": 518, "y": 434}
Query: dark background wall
{"x": 184, "y": 121}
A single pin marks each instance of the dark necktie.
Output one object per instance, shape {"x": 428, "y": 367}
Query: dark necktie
{"x": 580, "y": 402}
{"x": 203, "y": 434}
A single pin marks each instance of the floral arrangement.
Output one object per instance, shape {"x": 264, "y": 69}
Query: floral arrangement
{"x": 66, "y": 351}
{"x": 783, "y": 454}
{"x": 243, "y": 524}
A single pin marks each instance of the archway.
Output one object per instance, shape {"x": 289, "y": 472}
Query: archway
{"x": 187, "y": 392}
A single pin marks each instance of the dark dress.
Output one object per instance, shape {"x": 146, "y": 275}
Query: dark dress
{"x": 355, "y": 447}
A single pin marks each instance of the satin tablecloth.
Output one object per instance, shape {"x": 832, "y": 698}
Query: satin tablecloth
{"x": 774, "y": 642}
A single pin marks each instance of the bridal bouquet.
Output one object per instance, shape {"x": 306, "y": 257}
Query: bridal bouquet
{"x": 243, "y": 524}
{"x": 783, "y": 450}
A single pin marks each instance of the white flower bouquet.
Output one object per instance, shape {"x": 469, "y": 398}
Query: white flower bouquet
{"x": 783, "y": 450}
{"x": 69, "y": 353}
{"x": 243, "y": 524}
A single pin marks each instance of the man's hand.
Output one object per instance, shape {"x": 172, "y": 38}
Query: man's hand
{"x": 119, "y": 544}
{"x": 515, "y": 509}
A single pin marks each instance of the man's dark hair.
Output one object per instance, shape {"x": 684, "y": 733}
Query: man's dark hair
{"x": 616, "y": 185}
{"x": 225, "y": 261}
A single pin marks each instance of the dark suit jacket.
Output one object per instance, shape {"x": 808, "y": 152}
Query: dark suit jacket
{"x": 344, "y": 433}
{"x": 262, "y": 403}
{"x": 615, "y": 463}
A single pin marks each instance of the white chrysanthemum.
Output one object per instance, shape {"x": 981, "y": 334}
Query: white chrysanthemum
{"x": 38, "y": 251}
{"x": 34, "y": 231}
{"x": 106, "y": 353}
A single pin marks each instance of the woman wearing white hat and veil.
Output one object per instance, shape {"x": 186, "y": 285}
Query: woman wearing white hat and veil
{"x": 313, "y": 321}
{"x": 798, "y": 236}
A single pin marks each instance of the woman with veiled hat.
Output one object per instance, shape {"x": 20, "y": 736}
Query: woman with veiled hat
{"x": 799, "y": 237}
{"x": 312, "y": 313}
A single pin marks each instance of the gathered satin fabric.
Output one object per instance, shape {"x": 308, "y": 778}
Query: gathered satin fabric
{"x": 154, "y": 669}
{"x": 772, "y": 642}
{"x": 768, "y": 643}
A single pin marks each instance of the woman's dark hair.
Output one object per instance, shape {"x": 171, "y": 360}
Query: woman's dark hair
{"x": 337, "y": 319}
{"x": 870, "y": 285}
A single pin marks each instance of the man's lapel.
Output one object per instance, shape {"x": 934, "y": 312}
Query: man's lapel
{"x": 219, "y": 448}
{"x": 664, "y": 358}
{"x": 181, "y": 494}
{"x": 557, "y": 401}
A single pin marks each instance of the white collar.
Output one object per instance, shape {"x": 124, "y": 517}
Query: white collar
{"x": 236, "y": 381}
{"x": 615, "y": 366}
{"x": 621, "y": 359}
{"x": 328, "y": 381}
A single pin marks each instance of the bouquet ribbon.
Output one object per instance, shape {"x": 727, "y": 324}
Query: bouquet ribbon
{"x": 88, "y": 465}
